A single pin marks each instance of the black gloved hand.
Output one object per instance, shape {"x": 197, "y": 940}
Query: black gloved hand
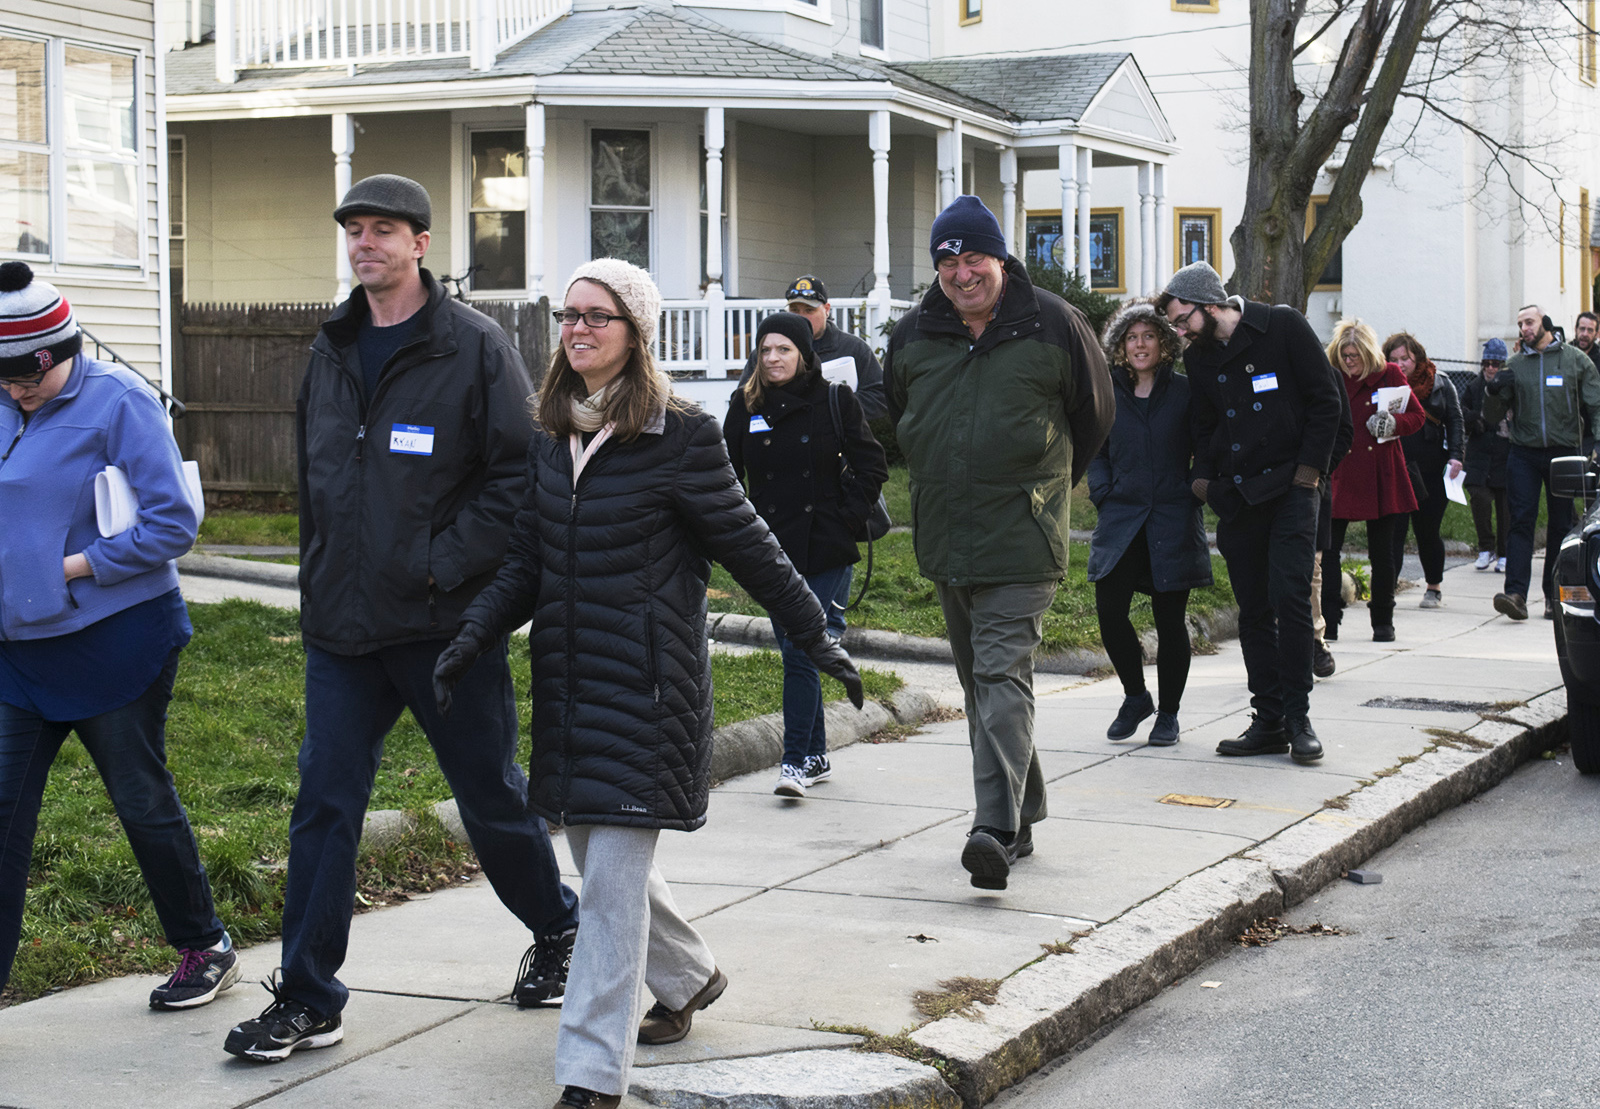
{"x": 834, "y": 661}
{"x": 456, "y": 659}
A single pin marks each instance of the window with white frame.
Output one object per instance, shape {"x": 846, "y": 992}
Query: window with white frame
{"x": 69, "y": 152}
{"x": 499, "y": 212}
{"x": 872, "y": 23}
{"x": 621, "y": 196}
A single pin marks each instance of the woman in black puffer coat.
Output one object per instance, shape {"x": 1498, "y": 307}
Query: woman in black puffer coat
{"x": 781, "y": 439}
{"x": 629, "y": 493}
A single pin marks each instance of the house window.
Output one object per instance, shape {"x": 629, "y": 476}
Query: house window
{"x": 1105, "y": 250}
{"x": 1194, "y": 5}
{"x": 1194, "y": 237}
{"x": 620, "y": 195}
{"x": 872, "y": 23}
{"x": 69, "y": 155}
{"x": 499, "y": 211}
{"x": 177, "y": 211}
{"x": 1043, "y": 242}
{"x": 971, "y": 11}
{"x": 1332, "y": 278}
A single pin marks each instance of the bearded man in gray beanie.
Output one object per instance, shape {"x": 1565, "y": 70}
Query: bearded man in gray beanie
{"x": 1000, "y": 396}
{"x": 413, "y": 428}
{"x": 1266, "y": 409}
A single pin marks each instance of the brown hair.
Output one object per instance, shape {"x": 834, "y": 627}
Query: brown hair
{"x": 638, "y": 393}
{"x": 1409, "y": 341}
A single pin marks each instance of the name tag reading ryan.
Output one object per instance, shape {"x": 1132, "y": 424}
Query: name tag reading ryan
{"x": 411, "y": 439}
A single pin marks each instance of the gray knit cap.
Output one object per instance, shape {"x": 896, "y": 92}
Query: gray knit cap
{"x": 386, "y": 194}
{"x": 1197, "y": 283}
{"x": 631, "y": 285}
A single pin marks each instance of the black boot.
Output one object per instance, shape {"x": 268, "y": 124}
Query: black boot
{"x": 1304, "y": 746}
{"x": 1262, "y": 737}
{"x": 1133, "y": 710}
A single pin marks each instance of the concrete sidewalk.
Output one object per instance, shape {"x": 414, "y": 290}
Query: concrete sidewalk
{"x": 833, "y": 912}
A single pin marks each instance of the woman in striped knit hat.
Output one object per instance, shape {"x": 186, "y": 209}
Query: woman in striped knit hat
{"x": 91, "y": 625}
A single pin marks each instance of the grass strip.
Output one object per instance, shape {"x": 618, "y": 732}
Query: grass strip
{"x": 234, "y": 730}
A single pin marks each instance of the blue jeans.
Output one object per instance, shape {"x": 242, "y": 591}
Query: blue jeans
{"x": 351, "y": 703}
{"x": 129, "y": 748}
{"x": 803, "y": 731}
{"x": 1527, "y": 469}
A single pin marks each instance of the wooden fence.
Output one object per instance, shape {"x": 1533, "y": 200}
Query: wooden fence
{"x": 239, "y": 368}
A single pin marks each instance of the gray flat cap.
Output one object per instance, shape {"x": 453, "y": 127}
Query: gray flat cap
{"x": 386, "y": 194}
{"x": 1197, "y": 283}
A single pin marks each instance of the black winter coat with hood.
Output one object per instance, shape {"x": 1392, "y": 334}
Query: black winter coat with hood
{"x": 613, "y": 576}
{"x": 397, "y": 535}
{"x": 793, "y": 469}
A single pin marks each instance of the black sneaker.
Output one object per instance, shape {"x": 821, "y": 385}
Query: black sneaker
{"x": 1322, "y": 664}
{"x": 542, "y": 976}
{"x": 1165, "y": 732}
{"x": 1262, "y": 737}
{"x": 1514, "y": 605}
{"x": 1383, "y": 633}
{"x": 1133, "y": 711}
{"x": 988, "y": 857}
{"x": 1304, "y": 746}
{"x": 815, "y": 769}
{"x": 1022, "y": 842}
{"x": 200, "y": 977}
{"x": 283, "y": 1027}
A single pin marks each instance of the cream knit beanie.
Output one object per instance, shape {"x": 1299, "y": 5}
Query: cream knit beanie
{"x": 630, "y": 285}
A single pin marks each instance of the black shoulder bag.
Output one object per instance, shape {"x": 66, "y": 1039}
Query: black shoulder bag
{"x": 877, "y": 523}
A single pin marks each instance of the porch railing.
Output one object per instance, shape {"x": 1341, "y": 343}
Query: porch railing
{"x": 291, "y": 33}
{"x": 712, "y": 338}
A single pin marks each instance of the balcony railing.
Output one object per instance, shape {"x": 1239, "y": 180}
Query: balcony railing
{"x": 291, "y": 33}
{"x": 690, "y": 345}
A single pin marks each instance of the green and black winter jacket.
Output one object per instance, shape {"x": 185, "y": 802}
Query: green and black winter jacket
{"x": 1546, "y": 392}
{"x": 996, "y": 431}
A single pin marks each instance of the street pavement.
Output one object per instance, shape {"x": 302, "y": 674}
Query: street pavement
{"x": 1466, "y": 978}
{"x": 827, "y": 914}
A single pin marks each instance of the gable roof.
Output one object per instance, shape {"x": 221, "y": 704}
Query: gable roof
{"x": 1041, "y": 87}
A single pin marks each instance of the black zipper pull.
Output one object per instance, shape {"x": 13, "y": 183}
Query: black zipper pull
{"x": 14, "y": 443}
{"x": 361, "y": 438}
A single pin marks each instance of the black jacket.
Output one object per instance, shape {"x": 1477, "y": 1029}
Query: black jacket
{"x": 1140, "y": 479}
{"x": 1487, "y": 449}
{"x": 376, "y": 523}
{"x": 793, "y": 470}
{"x": 838, "y": 343}
{"x": 613, "y": 578}
{"x": 1443, "y": 436}
{"x": 1262, "y": 405}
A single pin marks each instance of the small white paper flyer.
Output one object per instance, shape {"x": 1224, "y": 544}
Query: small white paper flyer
{"x": 842, "y": 370}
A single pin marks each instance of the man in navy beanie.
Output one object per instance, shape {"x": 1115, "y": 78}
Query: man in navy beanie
{"x": 1000, "y": 396}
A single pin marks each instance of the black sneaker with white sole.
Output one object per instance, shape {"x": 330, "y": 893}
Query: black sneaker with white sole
{"x": 815, "y": 769}
{"x": 283, "y": 1027}
{"x": 200, "y": 977}
{"x": 542, "y": 977}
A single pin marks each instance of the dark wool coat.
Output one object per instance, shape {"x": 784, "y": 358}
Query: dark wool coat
{"x": 375, "y": 522}
{"x": 613, "y": 577}
{"x": 1487, "y": 449}
{"x": 1442, "y": 436}
{"x": 793, "y": 470}
{"x": 1372, "y": 480}
{"x": 1140, "y": 479}
{"x": 996, "y": 431}
{"x": 1263, "y": 404}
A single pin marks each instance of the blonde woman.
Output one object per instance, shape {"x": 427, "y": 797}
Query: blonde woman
{"x": 1371, "y": 484}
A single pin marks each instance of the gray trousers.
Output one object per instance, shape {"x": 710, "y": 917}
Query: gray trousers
{"x": 993, "y": 632}
{"x": 631, "y": 935}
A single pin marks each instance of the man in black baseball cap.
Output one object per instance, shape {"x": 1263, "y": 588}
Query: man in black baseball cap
{"x": 808, "y": 297}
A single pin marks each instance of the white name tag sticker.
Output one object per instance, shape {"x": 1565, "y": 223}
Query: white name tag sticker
{"x": 411, "y": 439}
{"x": 1553, "y": 379}
{"x": 1264, "y": 383}
{"x": 759, "y": 423}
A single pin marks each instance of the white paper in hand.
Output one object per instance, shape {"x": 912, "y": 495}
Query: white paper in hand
{"x": 1453, "y": 485}
{"x": 1388, "y": 393}
{"x": 842, "y": 370}
{"x": 115, "y": 506}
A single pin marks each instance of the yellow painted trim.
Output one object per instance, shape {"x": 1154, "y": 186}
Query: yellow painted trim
{"x": 1177, "y": 233}
{"x": 1311, "y": 208}
{"x": 1210, "y": 6}
{"x": 963, "y": 16}
{"x": 1122, "y": 249}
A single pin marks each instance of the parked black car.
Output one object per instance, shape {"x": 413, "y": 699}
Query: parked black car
{"x": 1577, "y": 583}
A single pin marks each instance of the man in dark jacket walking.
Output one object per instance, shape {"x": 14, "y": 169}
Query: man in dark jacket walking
{"x": 1267, "y": 412}
{"x": 412, "y": 427}
{"x": 1001, "y": 398}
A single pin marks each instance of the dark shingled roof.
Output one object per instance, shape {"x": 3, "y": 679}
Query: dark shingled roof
{"x": 1055, "y": 86}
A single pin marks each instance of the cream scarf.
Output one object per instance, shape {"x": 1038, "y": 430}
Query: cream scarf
{"x": 588, "y": 414}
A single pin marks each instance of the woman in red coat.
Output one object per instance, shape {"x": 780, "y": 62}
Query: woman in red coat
{"x": 1371, "y": 484}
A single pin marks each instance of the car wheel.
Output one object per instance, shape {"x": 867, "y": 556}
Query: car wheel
{"x": 1583, "y": 726}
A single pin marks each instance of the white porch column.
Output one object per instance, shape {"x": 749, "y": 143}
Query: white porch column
{"x": 1163, "y": 229}
{"x": 1067, "y": 170}
{"x": 483, "y": 23}
{"x": 878, "y": 139}
{"x": 226, "y": 73}
{"x": 949, "y": 150}
{"x": 1085, "y": 168}
{"x": 1008, "y": 196}
{"x": 344, "y": 145}
{"x": 715, "y": 138}
{"x": 533, "y": 221}
{"x": 1147, "y": 229}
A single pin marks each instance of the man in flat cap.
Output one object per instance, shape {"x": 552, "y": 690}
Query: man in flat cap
{"x": 1267, "y": 410}
{"x": 412, "y": 427}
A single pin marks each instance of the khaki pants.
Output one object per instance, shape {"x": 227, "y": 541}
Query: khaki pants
{"x": 1318, "y": 624}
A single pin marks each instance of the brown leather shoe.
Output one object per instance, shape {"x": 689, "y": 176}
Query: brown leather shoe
{"x": 662, "y": 1025}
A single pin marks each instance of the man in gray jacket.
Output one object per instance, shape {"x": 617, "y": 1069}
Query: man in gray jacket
{"x": 413, "y": 427}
